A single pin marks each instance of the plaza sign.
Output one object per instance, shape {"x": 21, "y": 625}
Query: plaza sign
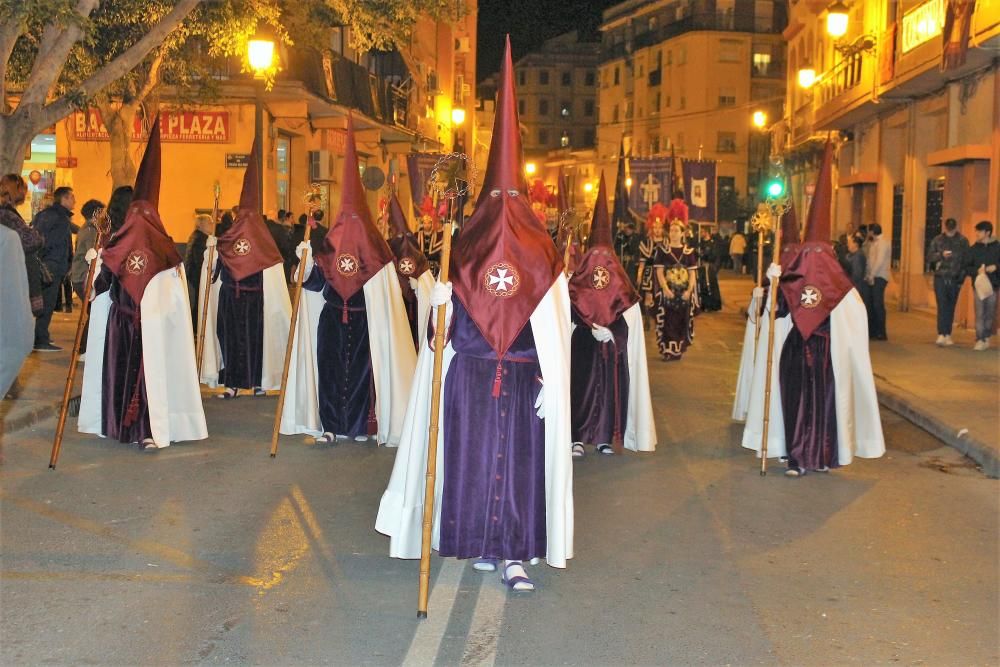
{"x": 190, "y": 127}
{"x": 921, "y": 24}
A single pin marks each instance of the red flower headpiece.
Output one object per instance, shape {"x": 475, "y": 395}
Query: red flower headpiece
{"x": 658, "y": 210}
{"x": 678, "y": 212}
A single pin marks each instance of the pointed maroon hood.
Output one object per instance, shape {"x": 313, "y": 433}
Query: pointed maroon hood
{"x": 353, "y": 250}
{"x": 504, "y": 261}
{"x": 600, "y": 290}
{"x": 813, "y": 282}
{"x": 410, "y": 261}
{"x": 142, "y": 248}
{"x": 247, "y": 247}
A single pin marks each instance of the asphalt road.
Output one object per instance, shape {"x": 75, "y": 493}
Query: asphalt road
{"x": 213, "y": 553}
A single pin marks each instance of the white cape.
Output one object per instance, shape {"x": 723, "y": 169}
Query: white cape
{"x": 400, "y": 513}
{"x": 172, "y": 393}
{"x": 393, "y": 359}
{"x": 640, "y": 428}
{"x": 425, "y": 283}
{"x": 744, "y": 379}
{"x": 859, "y": 427}
{"x": 277, "y": 316}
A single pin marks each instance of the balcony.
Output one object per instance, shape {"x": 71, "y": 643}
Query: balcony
{"x": 844, "y": 94}
{"x": 703, "y": 21}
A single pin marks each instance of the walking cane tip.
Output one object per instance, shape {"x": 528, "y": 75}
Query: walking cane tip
{"x": 763, "y": 473}
{"x": 273, "y": 455}
{"x": 421, "y": 614}
{"x": 52, "y": 466}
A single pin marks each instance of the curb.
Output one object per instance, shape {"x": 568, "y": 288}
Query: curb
{"x": 10, "y": 427}
{"x": 906, "y": 406}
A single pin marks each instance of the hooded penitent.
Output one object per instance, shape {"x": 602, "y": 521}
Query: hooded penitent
{"x": 812, "y": 280}
{"x": 142, "y": 248}
{"x": 504, "y": 261}
{"x": 600, "y": 289}
{"x": 247, "y": 247}
{"x": 410, "y": 261}
{"x": 353, "y": 250}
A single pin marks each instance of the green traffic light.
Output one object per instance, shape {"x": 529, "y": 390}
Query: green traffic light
{"x": 775, "y": 189}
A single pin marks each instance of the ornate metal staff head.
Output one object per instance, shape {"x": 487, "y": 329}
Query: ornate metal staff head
{"x": 314, "y": 198}
{"x": 453, "y": 176}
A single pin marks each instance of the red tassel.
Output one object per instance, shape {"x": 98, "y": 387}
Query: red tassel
{"x": 496, "y": 381}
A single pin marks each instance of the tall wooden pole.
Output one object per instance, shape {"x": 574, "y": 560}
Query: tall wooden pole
{"x": 209, "y": 261}
{"x": 103, "y": 227}
{"x": 432, "y": 432}
{"x": 773, "y": 307}
{"x": 292, "y": 329}
{"x": 760, "y": 283}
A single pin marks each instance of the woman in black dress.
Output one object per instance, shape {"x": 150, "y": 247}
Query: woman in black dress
{"x": 675, "y": 265}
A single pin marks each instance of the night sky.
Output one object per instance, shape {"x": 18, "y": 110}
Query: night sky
{"x": 531, "y": 22}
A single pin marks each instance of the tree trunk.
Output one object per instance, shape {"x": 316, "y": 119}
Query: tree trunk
{"x": 119, "y": 120}
{"x": 16, "y": 133}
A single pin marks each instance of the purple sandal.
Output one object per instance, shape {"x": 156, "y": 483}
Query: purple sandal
{"x": 512, "y": 582}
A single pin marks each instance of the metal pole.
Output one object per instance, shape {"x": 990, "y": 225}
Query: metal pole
{"x": 258, "y": 134}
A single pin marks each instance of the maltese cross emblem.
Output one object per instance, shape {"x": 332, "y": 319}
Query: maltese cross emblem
{"x": 242, "y": 247}
{"x": 407, "y": 266}
{"x": 501, "y": 279}
{"x": 136, "y": 262}
{"x": 811, "y": 296}
{"x": 347, "y": 264}
{"x": 600, "y": 278}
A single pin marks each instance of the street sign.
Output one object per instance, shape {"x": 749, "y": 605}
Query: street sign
{"x": 237, "y": 160}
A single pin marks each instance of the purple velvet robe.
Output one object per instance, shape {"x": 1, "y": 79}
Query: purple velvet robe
{"x": 808, "y": 399}
{"x": 240, "y": 327}
{"x": 599, "y": 384}
{"x": 674, "y": 317}
{"x": 346, "y": 387}
{"x": 493, "y": 504}
{"x": 124, "y": 411}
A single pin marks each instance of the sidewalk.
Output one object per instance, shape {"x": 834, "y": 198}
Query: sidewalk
{"x": 952, "y": 393}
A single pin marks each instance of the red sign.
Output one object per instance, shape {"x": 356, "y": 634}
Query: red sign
{"x": 66, "y": 162}
{"x": 190, "y": 127}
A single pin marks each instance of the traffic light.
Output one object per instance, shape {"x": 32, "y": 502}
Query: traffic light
{"x": 775, "y": 188}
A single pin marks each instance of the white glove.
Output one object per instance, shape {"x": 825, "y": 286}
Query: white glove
{"x": 602, "y": 334}
{"x": 302, "y": 247}
{"x": 90, "y": 256}
{"x": 774, "y": 271}
{"x": 758, "y": 293}
{"x": 414, "y": 284}
{"x": 441, "y": 294}
{"x": 540, "y": 403}
{"x": 211, "y": 241}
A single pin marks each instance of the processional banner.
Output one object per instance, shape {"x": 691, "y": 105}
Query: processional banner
{"x": 699, "y": 189}
{"x": 652, "y": 180}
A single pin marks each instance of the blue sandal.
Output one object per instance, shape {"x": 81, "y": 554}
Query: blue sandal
{"x": 484, "y": 565}
{"x": 512, "y": 582}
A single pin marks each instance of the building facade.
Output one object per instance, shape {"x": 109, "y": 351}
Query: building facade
{"x": 401, "y": 101}
{"x": 686, "y": 76}
{"x": 918, "y": 137}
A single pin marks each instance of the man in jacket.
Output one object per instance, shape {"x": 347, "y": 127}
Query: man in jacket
{"x": 879, "y": 257}
{"x": 54, "y": 224}
{"x": 984, "y": 260}
{"x": 947, "y": 251}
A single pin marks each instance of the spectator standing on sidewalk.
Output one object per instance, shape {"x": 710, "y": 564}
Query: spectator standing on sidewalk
{"x": 984, "y": 260}
{"x": 948, "y": 252}
{"x": 86, "y": 239}
{"x": 13, "y": 190}
{"x": 54, "y": 224}
{"x": 877, "y": 274}
{"x": 737, "y": 246}
{"x": 854, "y": 261}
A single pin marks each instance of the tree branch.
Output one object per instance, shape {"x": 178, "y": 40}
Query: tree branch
{"x": 9, "y": 32}
{"x": 56, "y": 43}
{"x": 153, "y": 77}
{"x": 120, "y": 66}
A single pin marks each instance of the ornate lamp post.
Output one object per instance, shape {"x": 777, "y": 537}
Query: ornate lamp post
{"x": 260, "y": 55}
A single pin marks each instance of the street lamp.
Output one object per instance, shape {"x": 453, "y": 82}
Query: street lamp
{"x": 530, "y": 168}
{"x": 260, "y": 55}
{"x": 628, "y": 182}
{"x": 807, "y": 77}
{"x": 836, "y": 20}
{"x": 759, "y": 119}
{"x": 588, "y": 187}
{"x": 457, "y": 116}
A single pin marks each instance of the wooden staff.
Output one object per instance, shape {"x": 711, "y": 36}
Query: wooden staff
{"x": 432, "y": 432}
{"x": 200, "y": 352}
{"x": 760, "y": 283}
{"x": 770, "y": 344}
{"x": 103, "y": 224}
{"x": 292, "y": 328}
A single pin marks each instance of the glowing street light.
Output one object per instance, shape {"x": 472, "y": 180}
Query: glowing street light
{"x": 759, "y": 119}
{"x": 807, "y": 77}
{"x": 836, "y": 20}
{"x": 588, "y": 187}
{"x": 628, "y": 182}
{"x": 457, "y": 116}
{"x": 260, "y": 55}
{"x": 530, "y": 168}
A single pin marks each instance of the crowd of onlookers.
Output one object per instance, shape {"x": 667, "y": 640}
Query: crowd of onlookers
{"x": 866, "y": 256}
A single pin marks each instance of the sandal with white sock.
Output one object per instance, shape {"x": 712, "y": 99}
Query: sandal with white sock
{"x": 578, "y": 450}
{"x": 605, "y": 449}
{"x": 515, "y": 578}
{"x": 325, "y": 439}
{"x": 484, "y": 565}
